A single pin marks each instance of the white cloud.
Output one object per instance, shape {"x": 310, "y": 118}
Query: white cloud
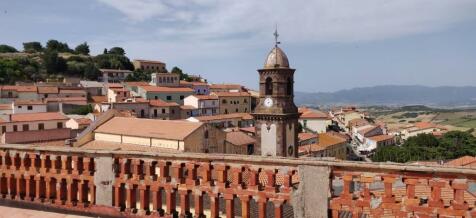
{"x": 299, "y": 21}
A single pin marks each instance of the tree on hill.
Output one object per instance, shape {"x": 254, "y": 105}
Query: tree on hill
{"x": 82, "y": 48}
{"x": 117, "y": 51}
{"x": 183, "y": 76}
{"x": 113, "y": 61}
{"x": 91, "y": 72}
{"x": 7, "y": 49}
{"x": 139, "y": 75}
{"x": 53, "y": 63}
{"x": 32, "y": 47}
{"x": 18, "y": 69}
{"x": 55, "y": 45}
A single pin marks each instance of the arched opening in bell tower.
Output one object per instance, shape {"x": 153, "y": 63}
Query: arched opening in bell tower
{"x": 268, "y": 86}
{"x": 289, "y": 87}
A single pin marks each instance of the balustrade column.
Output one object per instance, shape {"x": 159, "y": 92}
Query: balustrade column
{"x": 184, "y": 203}
{"x": 117, "y": 195}
{"x": 164, "y": 171}
{"x": 170, "y": 200}
{"x": 198, "y": 204}
{"x": 32, "y": 167}
{"x": 37, "y": 188}
{"x": 191, "y": 179}
{"x": 92, "y": 192}
{"x": 58, "y": 191}
{"x": 229, "y": 205}
{"x": 18, "y": 186}
{"x": 460, "y": 186}
{"x": 64, "y": 164}
{"x": 69, "y": 192}
{"x": 27, "y": 189}
{"x": 410, "y": 198}
{"x": 75, "y": 165}
{"x": 271, "y": 180}
{"x": 156, "y": 198}
{"x": 245, "y": 206}
{"x": 261, "y": 207}
{"x": 278, "y": 208}
{"x": 48, "y": 188}
{"x": 435, "y": 199}
{"x": 221, "y": 174}
{"x": 81, "y": 200}
{"x": 144, "y": 199}
{"x": 214, "y": 205}
{"x": 130, "y": 204}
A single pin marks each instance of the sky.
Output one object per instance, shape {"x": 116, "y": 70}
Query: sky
{"x": 332, "y": 44}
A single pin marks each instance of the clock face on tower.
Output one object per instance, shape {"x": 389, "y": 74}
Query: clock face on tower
{"x": 268, "y": 102}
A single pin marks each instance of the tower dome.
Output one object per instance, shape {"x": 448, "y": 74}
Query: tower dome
{"x": 276, "y": 59}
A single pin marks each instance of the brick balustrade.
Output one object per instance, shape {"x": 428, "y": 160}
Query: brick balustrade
{"x": 119, "y": 183}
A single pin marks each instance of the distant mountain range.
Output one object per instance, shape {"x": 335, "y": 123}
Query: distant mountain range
{"x": 393, "y": 95}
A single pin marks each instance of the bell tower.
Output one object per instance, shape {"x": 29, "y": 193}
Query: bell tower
{"x": 276, "y": 115}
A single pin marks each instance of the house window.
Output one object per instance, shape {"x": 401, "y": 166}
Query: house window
{"x": 223, "y": 101}
{"x": 169, "y": 97}
{"x": 156, "y": 97}
{"x": 182, "y": 97}
{"x": 59, "y": 125}
{"x": 163, "y": 110}
{"x": 206, "y": 134}
{"x": 245, "y": 101}
{"x": 155, "y": 112}
{"x": 4, "y": 129}
{"x": 15, "y": 128}
{"x": 19, "y": 107}
{"x": 236, "y": 110}
{"x": 173, "y": 111}
{"x": 25, "y": 127}
{"x": 41, "y": 126}
{"x": 226, "y": 111}
{"x": 30, "y": 107}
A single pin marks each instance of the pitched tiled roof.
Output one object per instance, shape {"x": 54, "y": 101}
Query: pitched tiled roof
{"x": 115, "y": 70}
{"x": 379, "y": 138}
{"x": 149, "y": 61}
{"x": 307, "y": 113}
{"x": 115, "y": 146}
{"x": 28, "y": 102}
{"x": 83, "y": 121}
{"x": 225, "y": 86}
{"x": 239, "y": 138}
{"x": 166, "y": 89}
{"x": 243, "y": 116}
{"x": 142, "y": 83}
{"x": 20, "y": 88}
{"x": 160, "y": 103}
{"x": 47, "y": 90}
{"x": 231, "y": 94}
{"x": 325, "y": 140}
{"x": 250, "y": 129}
{"x": 306, "y": 135}
{"x": 206, "y": 97}
{"x": 5, "y": 106}
{"x": 99, "y": 98}
{"x": 161, "y": 129}
{"x": 462, "y": 161}
{"x": 358, "y": 122}
{"x": 46, "y": 116}
{"x": 367, "y": 130}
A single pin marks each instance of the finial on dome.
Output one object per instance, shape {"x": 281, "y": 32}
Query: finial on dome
{"x": 276, "y": 35}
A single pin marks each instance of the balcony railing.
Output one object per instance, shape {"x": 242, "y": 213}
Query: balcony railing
{"x": 120, "y": 183}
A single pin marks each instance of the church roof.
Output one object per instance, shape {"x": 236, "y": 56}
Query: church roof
{"x": 276, "y": 59}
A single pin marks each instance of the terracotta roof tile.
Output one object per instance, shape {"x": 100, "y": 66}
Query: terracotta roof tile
{"x": 239, "y": 138}
{"x": 48, "y": 90}
{"x": 243, "y": 116}
{"x": 5, "y": 106}
{"x": 166, "y": 89}
{"x": 462, "y": 161}
{"x": 28, "y": 102}
{"x": 250, "y": 129}
{"x": 99, "y": 98}
{"x": 313, "y": 114}
{"x": 206, "y": 97}
{"x": 306, "y": 136}
{"x": 46, "y": 116}
{"x": 231, "y": 94}
{"x": 225, "y": 86}
{"x": 162, "y": 129}
{"x": 161, "y": 103}
{"x": 149, "y": 61}
{"x": 379, "y": 138}
{"x": 325, "y": 140}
